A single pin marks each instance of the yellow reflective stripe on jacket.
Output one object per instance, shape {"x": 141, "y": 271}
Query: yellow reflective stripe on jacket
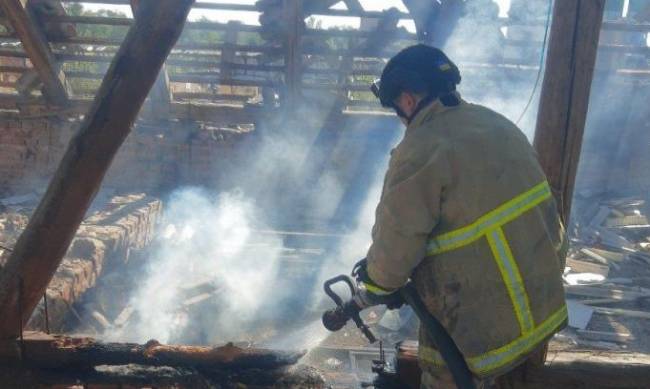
{"x": 495, "y": 218}
{"x": 490, "y": 226}
{"x": 512, "y": 278}
{"x": 502, "y": 356}
{"x": 374, "y": 289}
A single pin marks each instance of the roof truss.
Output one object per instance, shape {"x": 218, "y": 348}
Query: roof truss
{"x": 37, "y": 49}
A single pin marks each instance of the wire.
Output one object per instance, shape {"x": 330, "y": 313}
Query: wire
{"x": 47, "y": 314}
{"x": 541, "y": 62}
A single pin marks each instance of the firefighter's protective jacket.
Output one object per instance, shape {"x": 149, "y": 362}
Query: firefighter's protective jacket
{"x": 467, "y": 214}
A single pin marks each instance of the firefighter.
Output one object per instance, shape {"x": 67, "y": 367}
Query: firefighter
{"x": 466, "y": 213}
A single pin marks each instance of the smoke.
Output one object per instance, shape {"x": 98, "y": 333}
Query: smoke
{"x": 480, "y": 42}
{"x": 302, "y": 175}
{"x": 218, "y": 243}
{"x": 207, "y": 242}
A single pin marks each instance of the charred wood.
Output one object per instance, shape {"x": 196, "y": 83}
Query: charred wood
{"x": 39, "y": 350}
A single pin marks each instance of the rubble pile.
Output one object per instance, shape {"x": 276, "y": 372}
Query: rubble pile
{"x": 607, "y": 276}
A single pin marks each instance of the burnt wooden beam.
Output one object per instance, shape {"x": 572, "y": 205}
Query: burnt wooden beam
{"x": 160, "y": 96}
{"x": 57, "y": 352}
{"x": 293, "y": 13}
{"x": 564, "y": 99}
{"x": 46, "y": 238}
{"x": 36, "y": 46}
{"x": 137, "y": 376}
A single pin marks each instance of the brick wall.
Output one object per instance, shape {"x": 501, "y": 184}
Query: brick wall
{"x": 615, "y": 157}
{"x": 152, "y": 157}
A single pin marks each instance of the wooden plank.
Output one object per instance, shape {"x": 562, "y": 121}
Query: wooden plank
{"x": 605, "y": 336}
{"x": 211, "y": 113}
{"x": 57, "y": 352}
{"x": 13, "y": 69}
{"x": 354, "y": 11}
{"x": 293, "y": 14}
{"x": 38, "y": 50}
{"x": 573, "y": 44}
{"x": 579, "y": 266}
{"x": 622, "y": 312}
{"x": 12, "y": 53}
{"x": 603, "y": 292}
{"x": 351, "y": 12}
{"x": 211, "y": 61}
{"x": 44, "y": 241}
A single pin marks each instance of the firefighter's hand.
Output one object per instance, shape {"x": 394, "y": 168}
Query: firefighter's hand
{"x": 373, "y": 294}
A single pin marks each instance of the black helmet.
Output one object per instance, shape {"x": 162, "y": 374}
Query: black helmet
{"x": 419, "y": 69}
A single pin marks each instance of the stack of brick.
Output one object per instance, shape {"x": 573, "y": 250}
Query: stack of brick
{"x": 102, "y": 243}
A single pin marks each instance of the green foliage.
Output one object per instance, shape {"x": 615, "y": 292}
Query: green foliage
{"x": 250, "y": 38}
{"x": 82, "y": 86}
{"x": 97, "y": 30}
{"x": 202, "y": 36}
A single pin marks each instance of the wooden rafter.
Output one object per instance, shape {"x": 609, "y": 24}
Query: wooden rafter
{"x": 160, "y": 96}
{"x": 36, "y": 47}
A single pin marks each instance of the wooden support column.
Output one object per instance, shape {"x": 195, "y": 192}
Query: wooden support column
{"x": 160, "y": 97}
{"x": 565, "y": 93}
{"x": 228, "y": 54}
{"x": 133, "y": 71}
{"x": 293, "y": 11}
{"x": 38, "y": 50}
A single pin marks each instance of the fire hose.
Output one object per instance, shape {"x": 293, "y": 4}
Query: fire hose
{"x": 336, "y": 318}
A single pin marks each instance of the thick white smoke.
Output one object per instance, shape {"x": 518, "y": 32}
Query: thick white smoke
{"x": 480, "y": 41}
{"x": 214, "y": 239}
{"x": 211, "y": 241}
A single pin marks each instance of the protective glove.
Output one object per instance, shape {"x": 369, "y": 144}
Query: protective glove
{"x": 372, "y": 294}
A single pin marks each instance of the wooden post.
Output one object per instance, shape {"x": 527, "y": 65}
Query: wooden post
{"x": 228, "y": 53}
{"x": 293, "y": 59}
{"x": 565, "y": 93}
{"x": 160, "y": 96}
{"x": 40, "y": 248}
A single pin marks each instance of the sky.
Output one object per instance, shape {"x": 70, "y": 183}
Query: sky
{"x": 327, "y": 21}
